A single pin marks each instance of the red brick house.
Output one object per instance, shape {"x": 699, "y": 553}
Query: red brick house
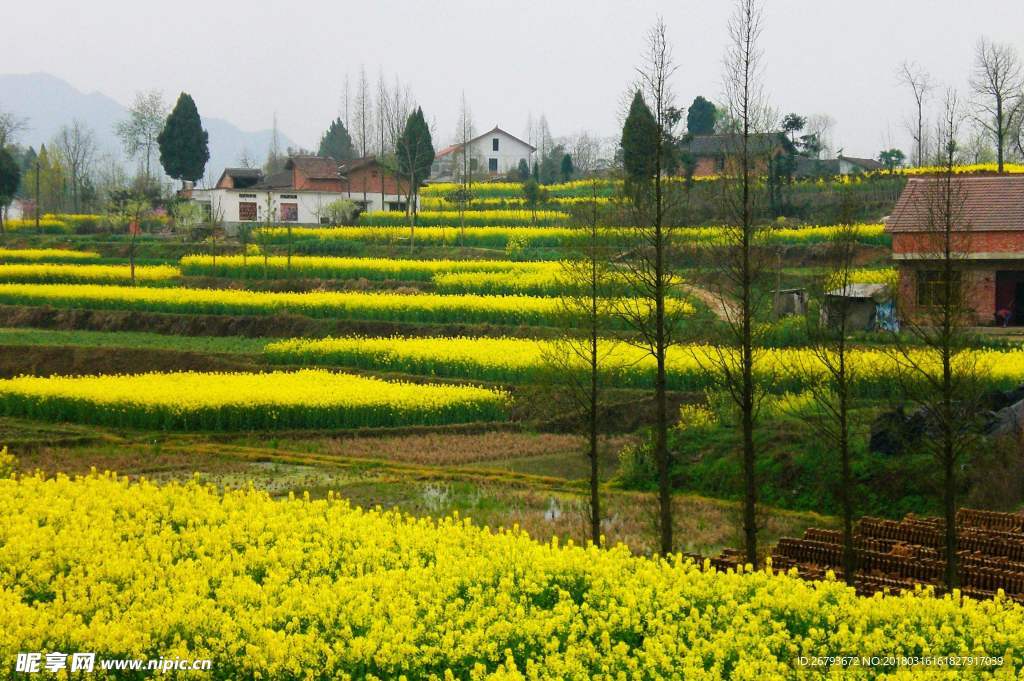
{"x": 989, "y": 243}
{"x": 383, "y": 189}
{"x": 301, "y": 193}
{"x": 709, "y": 152}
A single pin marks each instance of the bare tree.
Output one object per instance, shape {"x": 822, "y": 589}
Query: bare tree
{"x": 939, "y": 372}
{"x": 245, "y": 159}
{"x": 138, "y": 133}
{"x": 921, "y": 85}
{"x": 998, "y": 87}
{"x": 363, "y": 119}
{"x": 363, "y": 115}
{"x": 346, "y": 104}
{"x": 580, "y": 356}
{"x": 977, "y": 147}
{"x": 585, "y": 150}
{"x": 400, "y": 106}
{"x": 743, "y": 268}
{"x": 275, "y": 159}
{"x": 11, "y": 126}
{"x": 464, "y": 194}
{"x": 819, "y": 126}
{"x": 829, "y": 349}
{"x": 77, "y": 148}
{"x": 649, "y": 310}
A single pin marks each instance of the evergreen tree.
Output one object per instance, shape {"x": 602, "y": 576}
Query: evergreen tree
{"x": 415, "y": 155}
{"x": 184, "y": 145}
{"x": 523, "y": 170}
{"x": 28, "y": 167}
{"x": 551, "y": 165}
{"x": 567, "y": 168}
{"x": 639, "y": 143}
{"x": 336, "y": 142}
{"x": 10, "y": 176}
{"x": 701, "y": 117}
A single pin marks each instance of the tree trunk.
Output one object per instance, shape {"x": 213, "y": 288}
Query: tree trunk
{"x": 949, "y": 482}
{"x": 846, "y": 476}
{"x": 595, "y": 497}
{"x": 747, "y": 363}
{"x": 289, "y": 266}
{"x": 131, "y": 258}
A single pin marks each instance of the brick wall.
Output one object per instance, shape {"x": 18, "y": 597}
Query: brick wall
{"x": 980, "y": 291}
{"x": 367, "y": 179}
{"x": 975, "y": 242}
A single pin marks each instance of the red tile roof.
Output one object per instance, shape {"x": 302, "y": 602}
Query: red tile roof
{"x": 987, "y": 204}
{"x": 315, "y": 167}
{"x": 448, "y": 150}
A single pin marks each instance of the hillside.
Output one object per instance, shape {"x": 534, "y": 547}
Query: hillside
{"x": 49, "y": 102}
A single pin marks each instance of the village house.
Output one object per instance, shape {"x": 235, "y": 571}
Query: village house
{"x": 710, "y": 151}
{"x": 834, "y": 167}
{"x": 301, "y": 193}
{"x": 988, "y": 242}
{"x": 495, "y": 152}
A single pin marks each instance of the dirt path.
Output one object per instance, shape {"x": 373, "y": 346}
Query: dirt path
{"x": 722, "y": 309}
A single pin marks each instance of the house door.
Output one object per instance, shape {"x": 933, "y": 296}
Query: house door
{"x": 1010, "y": 295}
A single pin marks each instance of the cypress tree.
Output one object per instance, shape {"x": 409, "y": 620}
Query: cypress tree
{"x": 184, "y": 145}
{"x": 701, "y": 117}
{"x": 639, "y": 143}
{"x": 336, "y": 142}
{"x": 567, "y": 168}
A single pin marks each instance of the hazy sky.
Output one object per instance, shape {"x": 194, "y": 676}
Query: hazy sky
{"x": 568, "y": 59}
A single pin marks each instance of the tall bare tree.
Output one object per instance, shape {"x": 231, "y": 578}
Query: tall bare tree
{"x": 362, "y": 132}
{"x": 138, "y": 133}
{"x": 829, "y": 349}
{"x": 581, "y": 355}
{"x": 940, "y": 373}
{"x": 920, "y": 83}
{"x": 77, "y": 148}
{"x": 744, "y": 266}
{"x": 647, "y": 138}
{"x": 584, "y": 149}
{"x": 462, "y": 164}
{"x": 998, "y": 87}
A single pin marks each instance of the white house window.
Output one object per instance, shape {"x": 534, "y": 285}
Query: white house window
{"x": 289, "y": 196}
{"x": 289, "y": 212}
{"x": 494, "y": 144}
{"x": 246, "y": 211}
{"x": 492, "y": 165}
{"x": 472, "y": 164}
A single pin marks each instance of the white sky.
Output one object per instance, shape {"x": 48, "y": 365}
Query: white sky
{"x": 568, "y": 59}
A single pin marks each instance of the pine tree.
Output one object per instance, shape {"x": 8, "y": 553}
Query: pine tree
{"x": 701, "y": 117}
{"x": 567, "y": 168}
{"x": 639, "y": 142}
{"x": 415, "y": 156}
{"x": 184, "y": 145}
{"x": 336, "y": 142}
{"x": 523, "y": 170}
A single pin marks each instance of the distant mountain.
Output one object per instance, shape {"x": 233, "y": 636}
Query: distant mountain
{"x": 49, "y": 102}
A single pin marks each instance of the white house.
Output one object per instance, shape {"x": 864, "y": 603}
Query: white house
{"x": 493, "y": 153}
{"x": 301, "y": 193}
